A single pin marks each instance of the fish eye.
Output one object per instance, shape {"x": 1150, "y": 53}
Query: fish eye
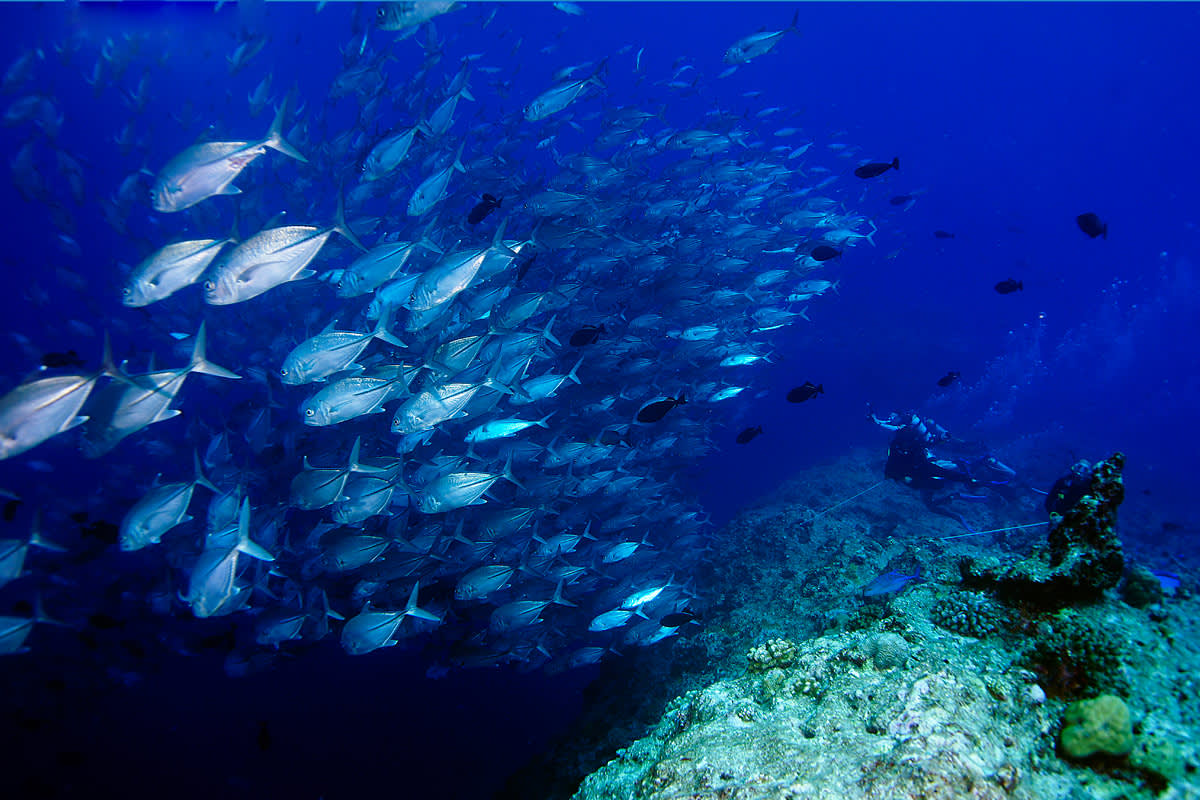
{"x": 380, "y": 12}
{"x": 127, "y": 291}
{"x": 283, "y": 372}
{"x": 308, "y": 412}
{"x": 209, "y": 286}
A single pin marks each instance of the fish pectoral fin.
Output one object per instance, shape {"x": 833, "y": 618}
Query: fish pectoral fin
{"x": 75, "y": 423}
{"x": 230, "y": 189}
{"x": 302, "y": 274}
{"x": 247, "y": 275}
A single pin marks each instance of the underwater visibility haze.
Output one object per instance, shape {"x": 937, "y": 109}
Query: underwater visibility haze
{"x": 467, "y": 400}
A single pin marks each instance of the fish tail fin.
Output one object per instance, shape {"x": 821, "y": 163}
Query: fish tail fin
{"x": 40, "y": 615}
{"x": 541, "y": 423}
{"x": 794, "y": 27}
{"x": 411, "y": 609}
{"x": 598, "y": 77}
{"x": 245, "y": 545}
{"x": 35, "y": 535}
{"x": 200, "y": 478}
{"x": 803, "y": 314}
{"x": 547, "y": 335}
{"x": 202, "y": 365}
{"x": 507, "y": 474}
{"x": 458, "y": 165}
{"x": 558, "y": 598}
{"x": 895, "y": 163}
{"x": 382, "y": 333}
{"x": 341, "y": 226}
{"x": 275, "y": 140}
{"x": 107, "y": 367}
{"x": 572, "y": 376}
{"x": 821, "y": 388}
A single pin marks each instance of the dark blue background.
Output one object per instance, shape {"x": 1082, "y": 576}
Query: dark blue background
{"x": 1009, "y": 119}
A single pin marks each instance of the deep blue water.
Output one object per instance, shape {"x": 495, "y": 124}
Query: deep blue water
{"x": 1009, "y": 120}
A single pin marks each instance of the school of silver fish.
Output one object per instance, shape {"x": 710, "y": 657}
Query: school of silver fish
{"x": 419, "y": 445}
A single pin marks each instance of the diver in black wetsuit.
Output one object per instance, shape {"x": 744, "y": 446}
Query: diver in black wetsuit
{"x": 1068, "y": 489}
{"x": 911, "y": 461}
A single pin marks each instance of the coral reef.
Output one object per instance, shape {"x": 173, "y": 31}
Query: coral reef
{"x": 1100, "y": 725}
{"x": 772, "y": 654}
{"x": 1082, "y": 558}
{"x": 797, "y": 686}
{"x": 970, "y": 614}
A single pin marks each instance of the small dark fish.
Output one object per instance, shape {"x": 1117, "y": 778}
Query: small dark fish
{"x": 747, "y": 436}
{"x": 941, "y": 234}
{"x": 10, "y": 510}
{"x": 806, "y": 392}
{"x": 525, "y": 265}
{"x": 1091, "y": 225}
{"x": 104, "y": 622}
{"x": 889, "y": 583}
{"x": 78, "y": 517}
{"x": 221, "y": 642}
{"x": 134, "y": 648}
{"x": 877, "y": 168}
{"x": 901, "y": 199}
{"x": 588, "y": 334}
{"x": 659, "y": 408}
{"x": 949, "y": 378}
{"x": 67, "y": 359}
{"x": 1171, "y": 526}
{"x": 484, "y": 207}
{"x": 824, "y": 252}
{"x": 612, "y": 438}
{"x": 677, "y": 619}
{"x": 103, "y": 530}
{"x": 1009, "y": 286}
{"x": 263, "y": 739}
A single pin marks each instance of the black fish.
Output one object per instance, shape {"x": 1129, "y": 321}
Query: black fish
{"x": 103, "y": 530}
{"x": 806, "y": 392}
{"x": 747, "y": 436}
{"x": 1009, "y": 286}
{"x": 485, "y": 206}
{"x": 10, "y": 510}
{"x": 940, "y": 234}
{"x": 1171, "y": 526}
{"x": 525, "y": 265}
{"x": 877, "y": 168}
{"x": 67, "y": 359}
{"x": 677, "y": 619}
{"x": 824, "y": 252}
{"x": 658, "y": 409}
{"x": 104, "y": 622}
{"x": 901, "y": 199}
{"x": 949, "y": 378}
{"x": 263, "y": 739}
{"x": 1091, "y": 225}
{"x": 78, "y": 517}
{"x": 588, "y": 334}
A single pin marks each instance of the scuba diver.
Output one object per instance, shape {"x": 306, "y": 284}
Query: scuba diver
{"x": 1068, "y": 489}
{"x": 911, "y": 461}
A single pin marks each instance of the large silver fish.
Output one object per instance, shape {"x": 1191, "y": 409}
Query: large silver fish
{"x": 170, "y": 269}
{"x": 399, "y": 16}
{"x": 268, "y": 259}
{"x": 45, "y": 407}
{"x": 208, "y": 169}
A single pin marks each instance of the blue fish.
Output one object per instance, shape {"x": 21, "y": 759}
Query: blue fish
{"x": 889, "y": 583}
